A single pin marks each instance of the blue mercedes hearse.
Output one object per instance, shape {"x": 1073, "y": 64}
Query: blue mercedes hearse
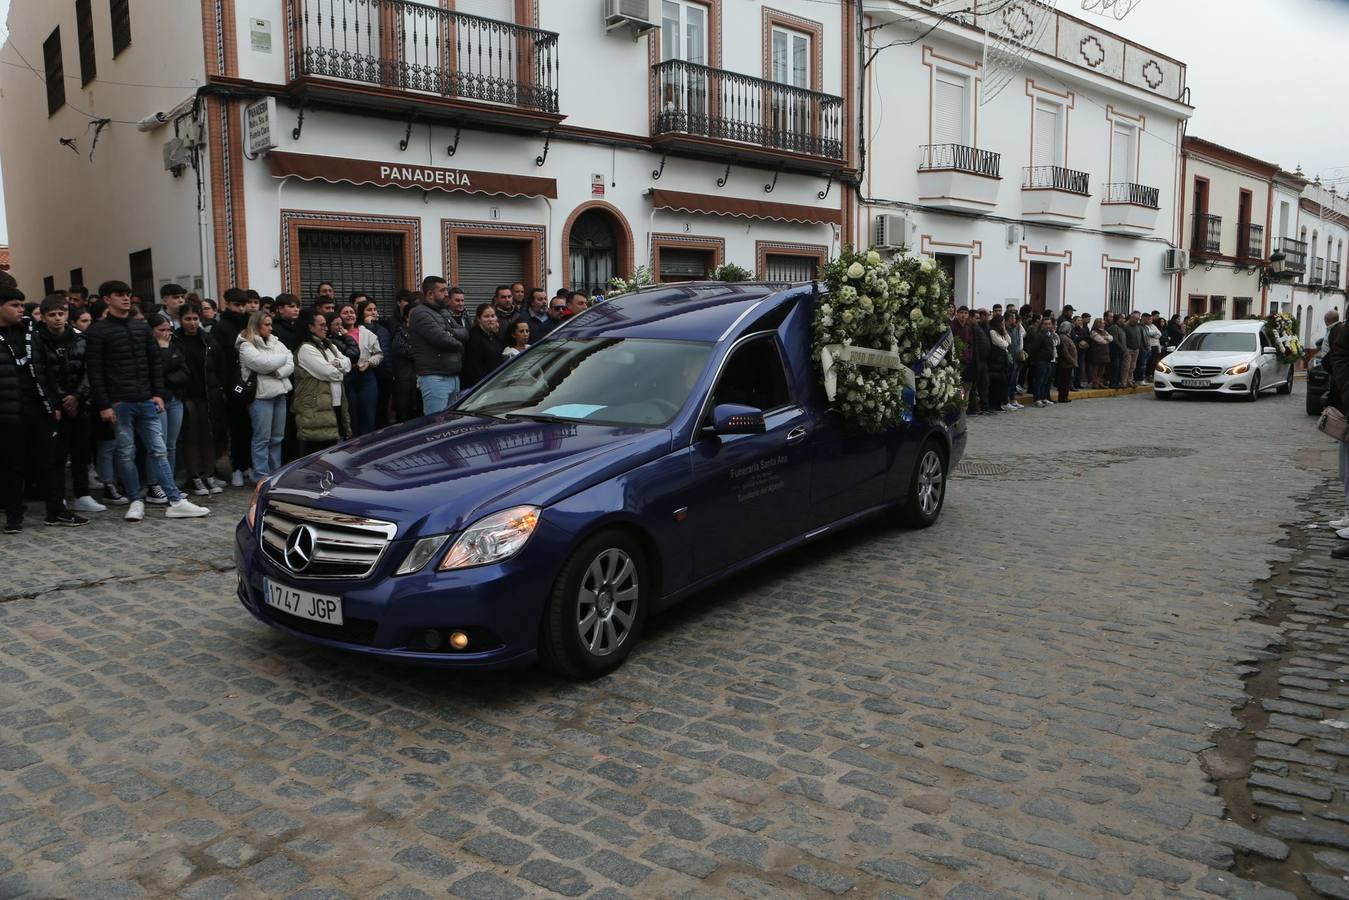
{"x": 652, "y": 445}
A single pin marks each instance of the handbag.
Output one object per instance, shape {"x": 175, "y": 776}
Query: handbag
{"x": 1334, "y": 424}
{"x": 245, "y": 387}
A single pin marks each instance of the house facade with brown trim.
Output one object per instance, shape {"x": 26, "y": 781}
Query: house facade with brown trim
{"x": 370, "y": 144}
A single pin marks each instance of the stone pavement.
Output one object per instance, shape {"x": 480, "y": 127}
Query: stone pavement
{"x": 1013, "y": 703}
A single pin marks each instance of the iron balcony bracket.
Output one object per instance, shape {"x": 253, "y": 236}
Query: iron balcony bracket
{"x": 299, "y": 124}
{"x": 547, "y": 142}
{"x": 721, "y": 182}
{"x": 828, "y": 186}
{"x": 656, "y": 173}
{"x": 768, "y": 188}
{"x": 454, "y": 148}
{"x": 407, "y": 138}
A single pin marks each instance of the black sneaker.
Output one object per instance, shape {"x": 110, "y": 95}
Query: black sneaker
{"x": 199, "y": 488}
{"x": 68, "y": 519}
{"x": 113, "y": 497}
{"x": 155, "y": 494}
{"x": 13, "y": 526}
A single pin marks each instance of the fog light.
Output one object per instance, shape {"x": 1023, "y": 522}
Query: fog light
{"x": 458, "y": 640}
{"x": 431, "y": 639}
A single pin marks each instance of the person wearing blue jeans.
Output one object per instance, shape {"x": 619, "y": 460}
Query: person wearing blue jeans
{"x": 126, "y": 387}
{"x": 269, "y": 364}
{"x": 269, "y": 433}
{"x": 176, "y": 377}
{"x": 438, "y": 334}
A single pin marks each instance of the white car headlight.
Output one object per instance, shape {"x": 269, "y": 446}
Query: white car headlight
{"x": 493, "y": 539}
{"x": 1239, "y": 369}
{"x": 1163, "y": 368}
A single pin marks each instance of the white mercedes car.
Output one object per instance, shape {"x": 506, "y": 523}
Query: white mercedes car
{"x": 1227, "y": 358}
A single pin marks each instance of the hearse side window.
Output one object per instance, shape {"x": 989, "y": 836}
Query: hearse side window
{"x": 754, "y": 376}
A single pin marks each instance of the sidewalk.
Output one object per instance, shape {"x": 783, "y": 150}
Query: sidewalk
{"x": 1093, "y": 394}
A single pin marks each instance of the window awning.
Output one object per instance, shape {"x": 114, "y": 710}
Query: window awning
{"x": 339, "y": 170}
{"x": 749, "y": 209}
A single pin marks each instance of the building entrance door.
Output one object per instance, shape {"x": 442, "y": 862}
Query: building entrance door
{"x": 593, "y": 251}
{"x": 1038, "y": 288}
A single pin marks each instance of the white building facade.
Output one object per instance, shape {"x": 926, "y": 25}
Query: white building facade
{"x": 372, "y": 143}
{"x": 1060, "y": 189}
{"x": 1323, "y": 226}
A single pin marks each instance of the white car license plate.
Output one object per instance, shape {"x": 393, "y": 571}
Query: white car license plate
{"x": 315, "y": 607}
{"x": 1195, "y": 382}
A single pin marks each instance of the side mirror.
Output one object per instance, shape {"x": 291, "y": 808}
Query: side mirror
{"x": 733, "y": 418}
{"x": 1269, "y": 351}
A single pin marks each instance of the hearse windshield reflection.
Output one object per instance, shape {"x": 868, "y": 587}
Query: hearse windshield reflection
{"x": 604, "y": 381}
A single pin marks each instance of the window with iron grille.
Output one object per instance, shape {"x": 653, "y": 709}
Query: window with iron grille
{"x": 1121, "y": 290}
{"x": 1241, "y": 307}
{"x": 121, "y": 25}
{"x": 789, "y": 269}
{"x": 56, "y": 72}
{"x": 1217, "y": 306}
{"x": 370, "y": 261}
{"x": 84, "y": 31}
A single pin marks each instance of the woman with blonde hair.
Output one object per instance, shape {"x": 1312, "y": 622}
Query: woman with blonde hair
{"x": 266, "y": 363}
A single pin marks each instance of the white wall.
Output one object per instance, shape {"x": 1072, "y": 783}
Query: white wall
{"x": 66, "y": 211}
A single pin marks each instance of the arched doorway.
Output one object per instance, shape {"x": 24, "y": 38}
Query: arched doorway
{"x": 593, "y": 251}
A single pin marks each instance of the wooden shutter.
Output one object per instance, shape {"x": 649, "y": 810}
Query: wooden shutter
{"x": 121, "y": 25}
{"x": 950, "y": 112}
{"x": 55, "y": 71}
{"x": 84, "y": 31}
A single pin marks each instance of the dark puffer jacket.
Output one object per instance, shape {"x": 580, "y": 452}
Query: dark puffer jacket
{"x": 123, "y": 362}
{"x": 437, "y": 346}
{"x": 19, "y": 389}
{"x": 65, "y": 358}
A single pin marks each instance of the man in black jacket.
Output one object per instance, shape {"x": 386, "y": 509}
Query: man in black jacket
{"x": 232, "y": 321}
{"x": 28, "y": 417}
{"x": 126, "y": 390}
{"x": 64, "y": 347}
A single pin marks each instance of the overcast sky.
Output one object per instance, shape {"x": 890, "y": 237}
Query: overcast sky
{"x": 1267, "y": 77}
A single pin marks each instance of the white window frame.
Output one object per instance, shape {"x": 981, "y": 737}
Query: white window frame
{"x": 1060, "y": 155}
{"x": 1132, "y": 132}
{"x": 792, "y": 36}
{"x": 681, "y": 33}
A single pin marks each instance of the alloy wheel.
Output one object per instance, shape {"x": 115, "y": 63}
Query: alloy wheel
{"x": 607, "y": 602}
{"x": 931, "y": 483}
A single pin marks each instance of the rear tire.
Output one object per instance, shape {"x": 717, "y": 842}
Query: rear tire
{"x": 1254, "y": 393}
{"x": 927, "y": 488}
{"x": 597, "y": 608}
{"x": 1287, "y": 387}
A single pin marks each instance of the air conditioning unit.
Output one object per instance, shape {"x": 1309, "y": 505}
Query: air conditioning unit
{"x": 177, "y": 155}
{"x": 892, "y": 231}
{"x": 635, "y": 15}
{"x": 1176, "y": 261}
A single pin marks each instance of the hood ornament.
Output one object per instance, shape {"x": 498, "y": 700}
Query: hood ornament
{"x": 325, "y": 484}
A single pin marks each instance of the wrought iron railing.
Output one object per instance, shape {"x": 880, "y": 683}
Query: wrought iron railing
{"x": 1252, "y": 242}
{"x": 418, "y": 47}
{"x": 1208, "y": 233}
{"x": 1137, "y": 194}
{"x": 1317, "y": 275}
{"x": 960, "y": 158}
{"x": 713, "y": 103}
{"x": 1333, "y": 273}
{"x": 1294, "y": 254}
{"x": 1055, "y": 178}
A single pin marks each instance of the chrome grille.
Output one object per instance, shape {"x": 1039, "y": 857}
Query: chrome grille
{"x": 1198, "y": 371}
{"x": 344, "y": 546}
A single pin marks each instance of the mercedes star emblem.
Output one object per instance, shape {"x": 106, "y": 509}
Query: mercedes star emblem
{"x": 300, "y": 548}
{"x": 325, "y": 484}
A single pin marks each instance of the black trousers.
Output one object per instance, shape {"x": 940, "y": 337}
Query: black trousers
{"x": 38, "y": 439}
{"x": 74, "y": 442}
{"x": 241, "y": 435}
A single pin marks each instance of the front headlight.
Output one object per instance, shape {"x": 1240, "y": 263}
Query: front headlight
{"x": 422, "y": 553}
{"x": 1241, "y": 369}
{"x": 493, "y": 539}
{"x": 1163, "y": 368}
{"x": 253, "y": 504}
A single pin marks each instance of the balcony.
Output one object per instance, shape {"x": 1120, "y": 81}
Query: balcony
{"x": 1333, "y": 275}
{"x": 416, "y": 60}
{"x": 725, "y": 116}
{"x": 1207, "y": 235}
{"x": 1129, "y": 208}
{"x": 953, "y": 176}
{"x": 1294, "y": 255}
{"x": 1054, "y": 194}
{"x": 1252, "y": 241}
{"x": 1317, "y": 274}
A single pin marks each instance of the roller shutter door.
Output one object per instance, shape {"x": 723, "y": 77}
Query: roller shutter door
{"x": 486, "y": 263}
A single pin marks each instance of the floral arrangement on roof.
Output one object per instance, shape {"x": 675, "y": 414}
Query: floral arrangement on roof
{"x": 1283, "y": 331}
{"x": 883, "y": 340}
{"x": 617, "y": 285}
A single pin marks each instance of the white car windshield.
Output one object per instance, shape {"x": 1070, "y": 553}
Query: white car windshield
{"x": 608, "y": 381}
{"x": 1220, "y": 342}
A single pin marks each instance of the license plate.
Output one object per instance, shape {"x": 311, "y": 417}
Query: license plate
{"x": 1195, "y": 382}
{"x": 315, "y": 607}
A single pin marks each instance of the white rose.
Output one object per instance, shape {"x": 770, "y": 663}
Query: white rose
{"x": 873, "y": 258}
{"x": 856, "y": 270}
{"x": 865, "y": 303}
{"x": 927, "y": 263}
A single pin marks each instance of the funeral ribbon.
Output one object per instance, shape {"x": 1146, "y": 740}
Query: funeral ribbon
{"x": 860, "y": 356}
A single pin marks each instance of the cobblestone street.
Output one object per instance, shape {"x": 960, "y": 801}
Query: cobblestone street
{"x": 1037, "y": 697}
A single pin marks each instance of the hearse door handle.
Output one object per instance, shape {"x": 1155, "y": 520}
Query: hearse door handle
{"x": 796, "y": 435}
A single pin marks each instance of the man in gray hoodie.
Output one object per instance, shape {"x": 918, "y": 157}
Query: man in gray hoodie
{"x": 437, "y": 351}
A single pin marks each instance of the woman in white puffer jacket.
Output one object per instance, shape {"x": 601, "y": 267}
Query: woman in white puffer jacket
{"x": 263, "y": 357}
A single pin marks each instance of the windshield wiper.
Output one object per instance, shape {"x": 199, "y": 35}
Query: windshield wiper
{"x": 539, "y": 417}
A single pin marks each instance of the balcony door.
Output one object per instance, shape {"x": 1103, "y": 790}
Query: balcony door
{"x": 950, "y": 114}
{"x": 684, "y": 38}
{"x": 1123, "y": 150}
{"x": 791, "y": 67}
{"x": 1048, "y": 134}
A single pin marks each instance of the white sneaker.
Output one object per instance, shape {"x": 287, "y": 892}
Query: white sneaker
{"x": 1018, "y": 406}
{"x": 213, "y": 482}
{"x": 237, "y": 479}
{"x": 185, "y": 509}
{"x": 1007, "y": 407}
{"x": 1340, "y": 523}
{"x": 1343, "y": 534}
{"x": 87, "y": 504}
{"x": 1049, "y": 402}
{"x": 136, "y": 511}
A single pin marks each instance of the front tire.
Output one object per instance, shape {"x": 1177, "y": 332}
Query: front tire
{"x": 1254, "y": 394}
{"x": 597, "y": 608}
{"x": 1287, "y": 387}
{"x": 927, "y": 488}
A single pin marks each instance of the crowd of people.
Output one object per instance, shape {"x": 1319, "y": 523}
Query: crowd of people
{"x": 1007, "y": 353}
{"x": 142, "y": 401}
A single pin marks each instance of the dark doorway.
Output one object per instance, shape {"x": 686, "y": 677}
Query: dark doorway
{"x": 1038, "y": 289}
{"x": 143, "y": 276}
{"x": 593, "y": 252}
